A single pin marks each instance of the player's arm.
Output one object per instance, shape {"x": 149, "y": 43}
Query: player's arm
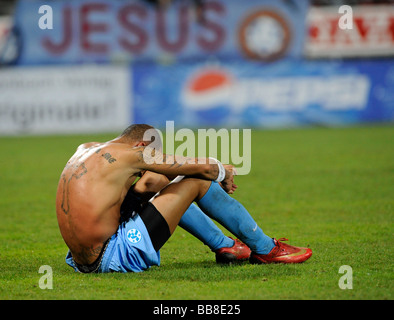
{"x": 169, "y": 165}
{"x": 145, "y": 158}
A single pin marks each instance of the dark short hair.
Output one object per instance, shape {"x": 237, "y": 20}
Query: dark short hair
{"x": 135, "y": 132}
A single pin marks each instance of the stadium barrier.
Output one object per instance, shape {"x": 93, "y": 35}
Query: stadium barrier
{"x": 59, "y": 99}
{"x": 263, "y": 64}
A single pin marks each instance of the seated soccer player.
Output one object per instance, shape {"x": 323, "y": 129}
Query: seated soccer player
{"x": 109, "y": 226}
{"x": 193, "y": 220}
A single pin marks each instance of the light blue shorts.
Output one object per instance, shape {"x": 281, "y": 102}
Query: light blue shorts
{"x": 129, "y": 250}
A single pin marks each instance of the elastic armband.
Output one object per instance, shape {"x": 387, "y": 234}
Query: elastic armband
{"x": 222, "y": 171}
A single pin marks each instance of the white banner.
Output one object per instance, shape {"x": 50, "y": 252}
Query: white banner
{"x": 371, "y": 31}
{"x": 68, "y": 99}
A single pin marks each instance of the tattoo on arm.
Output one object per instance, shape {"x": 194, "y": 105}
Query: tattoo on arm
{"x": 156, "y": 157}
{"x": 215, "y": 170}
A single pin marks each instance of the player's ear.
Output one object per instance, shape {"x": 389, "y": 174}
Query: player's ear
{"x": 141, "y": 144}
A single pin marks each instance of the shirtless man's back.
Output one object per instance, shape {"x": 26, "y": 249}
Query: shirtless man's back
{"x": 94, "y": 184}
{"x": 91, "y": 190}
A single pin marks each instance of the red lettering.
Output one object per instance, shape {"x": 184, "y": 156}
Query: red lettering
{"x": 362, "y": 28}
{"x": 216, "y": 29}
{"x": 390, "y": 28}
{"x": 333, "y": 27}
{"x": 141, "y": 41}
{"x": 313, "y": 32}
{"x": 87, "y": 28}
{"x": 183, "y": 30}
{"x": 59, "y": 48}
{"x": 171, "y": 36}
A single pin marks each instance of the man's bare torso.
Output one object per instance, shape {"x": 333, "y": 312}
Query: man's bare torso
{"x": 96, "y": 180}
{"x": 91, "y": 190}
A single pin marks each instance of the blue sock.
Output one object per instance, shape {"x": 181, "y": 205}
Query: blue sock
{"x": 218, "y": 205}
{"x": 203, "y": 228}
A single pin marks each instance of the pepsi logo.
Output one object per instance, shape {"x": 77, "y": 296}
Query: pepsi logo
{"x": 207, "y": 87}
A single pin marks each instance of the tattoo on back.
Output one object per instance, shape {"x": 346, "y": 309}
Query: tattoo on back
{"x": 79, "y": 172}
{"x": 107, "y": 156}
{"x": 88, "y": 252}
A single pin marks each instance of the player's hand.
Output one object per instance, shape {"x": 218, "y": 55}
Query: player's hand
{"x": 228, "y": 183}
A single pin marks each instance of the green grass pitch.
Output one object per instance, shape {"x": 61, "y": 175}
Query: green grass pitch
{"x": 331, "y": 189}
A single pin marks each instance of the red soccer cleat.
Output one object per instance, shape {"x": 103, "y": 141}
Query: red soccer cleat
{"x": 238, "y": 252}
{"x": 282, "y": 253}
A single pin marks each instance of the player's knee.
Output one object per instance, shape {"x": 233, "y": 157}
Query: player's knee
{"x": 151, "y": 184}
{"x": 156, "y": 183}
{"x": 201, "y": 186}
{"x": 197, "y": 181}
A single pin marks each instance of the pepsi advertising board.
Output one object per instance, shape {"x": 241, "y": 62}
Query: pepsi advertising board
{"x": 286, "y": 93}
{"x": 108, "y": 31}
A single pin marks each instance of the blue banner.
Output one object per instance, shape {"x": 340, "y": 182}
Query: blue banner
{"x": 286, "y": 93}
{"x": 77, "y": 31}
